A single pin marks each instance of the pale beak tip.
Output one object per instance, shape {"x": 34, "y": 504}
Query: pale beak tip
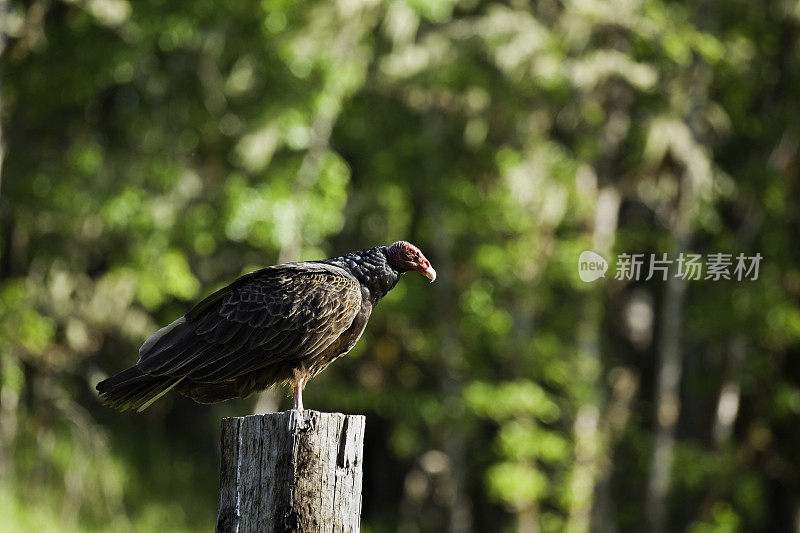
{"x": 430, "y": 273}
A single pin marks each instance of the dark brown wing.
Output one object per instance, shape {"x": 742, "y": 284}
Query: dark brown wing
{"x": 281, "y": 313}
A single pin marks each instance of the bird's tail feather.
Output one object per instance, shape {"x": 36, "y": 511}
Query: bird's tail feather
{"x": 131, "y": 389}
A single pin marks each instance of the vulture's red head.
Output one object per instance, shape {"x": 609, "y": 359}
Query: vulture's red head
{"x": 404, "y": 256}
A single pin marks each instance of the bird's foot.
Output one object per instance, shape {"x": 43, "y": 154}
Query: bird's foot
{"x": 296, "y": 420}
{"x": 301, "y": 421}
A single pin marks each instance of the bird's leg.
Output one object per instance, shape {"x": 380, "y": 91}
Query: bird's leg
{"x": 298, "y": 394}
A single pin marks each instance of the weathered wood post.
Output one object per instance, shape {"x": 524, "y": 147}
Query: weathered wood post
{"x": 291, "y": 471}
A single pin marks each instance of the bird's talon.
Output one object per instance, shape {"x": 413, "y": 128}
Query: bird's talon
{"x": 294, "y": 425}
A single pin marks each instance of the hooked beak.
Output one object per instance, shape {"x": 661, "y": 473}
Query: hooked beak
{"x": 429, "y": 273}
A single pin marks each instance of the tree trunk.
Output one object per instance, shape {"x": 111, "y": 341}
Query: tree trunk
{"x": 291, "y": 471}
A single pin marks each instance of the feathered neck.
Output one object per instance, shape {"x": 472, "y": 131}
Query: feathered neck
{"x": 371, "y": 268}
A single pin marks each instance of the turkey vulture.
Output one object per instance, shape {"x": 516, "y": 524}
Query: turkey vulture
{"x": 283, "y": 323}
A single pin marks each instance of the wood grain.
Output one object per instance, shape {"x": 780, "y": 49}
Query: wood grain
{"x": 291, "y": 471}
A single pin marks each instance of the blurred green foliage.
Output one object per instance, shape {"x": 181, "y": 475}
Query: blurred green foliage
{"x": 154, "y": 151}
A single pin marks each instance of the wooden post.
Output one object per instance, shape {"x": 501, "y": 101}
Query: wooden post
{"x": 291, "y": 471}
